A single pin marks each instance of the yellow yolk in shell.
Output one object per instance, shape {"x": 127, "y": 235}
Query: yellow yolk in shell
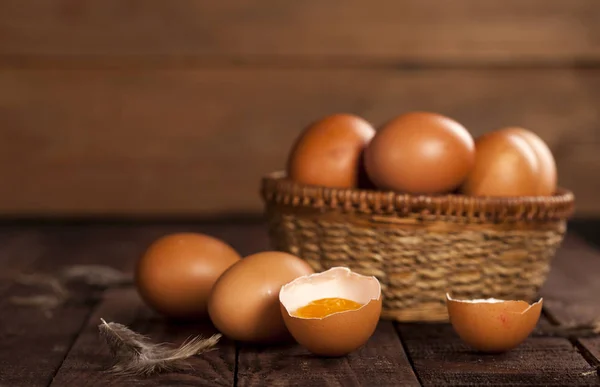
{"x": 325, "y": 306}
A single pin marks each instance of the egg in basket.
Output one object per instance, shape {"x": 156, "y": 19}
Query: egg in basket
{"x": 423, "y": 207}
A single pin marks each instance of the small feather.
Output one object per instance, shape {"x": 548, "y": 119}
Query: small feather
{"x": 43, "y": 280}
{"x": 41, "y": 301}
{"x": 96, "y": 275}
{"x": 135, "y": 354}
{"x": 56, "y": 297}
{"x": 57, "y": 293}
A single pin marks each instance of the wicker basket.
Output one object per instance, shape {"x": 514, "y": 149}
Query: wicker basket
{"x": 420, "y": 247}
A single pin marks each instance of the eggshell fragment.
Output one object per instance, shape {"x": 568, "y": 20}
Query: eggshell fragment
{"x": 492, "y": 325}
{"x": 339, "y": 333}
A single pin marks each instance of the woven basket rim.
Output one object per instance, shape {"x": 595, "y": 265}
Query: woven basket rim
{"x": 277, "y": 189}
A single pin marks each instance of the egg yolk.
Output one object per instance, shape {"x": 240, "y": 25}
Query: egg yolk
{"x": 326, "y": 306}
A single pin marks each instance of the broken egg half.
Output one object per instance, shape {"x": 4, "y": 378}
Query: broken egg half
{"x": 492, "y": 325}
{"x": 331, "y": 313}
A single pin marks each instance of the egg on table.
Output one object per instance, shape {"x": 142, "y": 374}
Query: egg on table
{"x": 331, "y": 313}
{"x": 420, "y": 153}
{"x": 492, "y": 325}
{"x": 329, "y": 152}
{"x": 244, "y": 304}
{"x": 176, "y": 273}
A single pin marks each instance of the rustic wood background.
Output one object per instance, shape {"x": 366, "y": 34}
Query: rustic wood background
{"x": 147, "y": 107}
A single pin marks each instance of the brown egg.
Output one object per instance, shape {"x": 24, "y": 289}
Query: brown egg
{"x": 338, "y": 333}
{"x": 176, "y": 273}
{"x": 505, "y": 165}
{"x": 329, "y": 152}
{"x": 420, "y": 153}
{"x": 493, "y": 325}
{"x": 244, "y": 302}
{"x": 547, "y": 176}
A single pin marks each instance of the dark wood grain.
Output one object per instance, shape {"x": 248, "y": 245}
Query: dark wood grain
{"x": 190, "y": 142}
{"x": 381, "y": 362}
{"x": 588, "y": 231}
{"x": 34, "y": 343}
{"x": 442, "y": 359}
{"x": 387, "y": 30}
{"x": 19, "y": 251}
{"x": 89, "y": 358}
{"x": 573, "y": 291}
{"x": 572, "y": 288}
{"x": 590, "y": 347}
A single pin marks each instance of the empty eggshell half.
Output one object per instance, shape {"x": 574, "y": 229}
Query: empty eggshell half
{"x": 491, "y": 325}
{"x": 339, "y": 333}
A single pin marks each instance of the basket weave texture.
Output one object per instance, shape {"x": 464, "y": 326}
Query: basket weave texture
{"x": 420, "y": 247}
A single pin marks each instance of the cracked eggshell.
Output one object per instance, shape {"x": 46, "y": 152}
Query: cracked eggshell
{"x": 339, "y": 333}
{"x": 492, "y": 325}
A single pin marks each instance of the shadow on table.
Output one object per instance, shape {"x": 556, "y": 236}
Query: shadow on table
{"x": 588, "y": 229}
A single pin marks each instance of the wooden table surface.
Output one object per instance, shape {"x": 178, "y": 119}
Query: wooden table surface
{"x": 62, "y": 347}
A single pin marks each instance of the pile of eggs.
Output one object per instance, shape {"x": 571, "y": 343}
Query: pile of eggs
{"x": 273, "y": 297}
{"x": 422, "y": 153}
{"x": 267, "y": 297}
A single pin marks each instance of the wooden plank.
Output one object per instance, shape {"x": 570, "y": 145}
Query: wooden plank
{"x": 19, "y": 251}
{"x": 440, "y": 358}
{"x": 588, "y": 230}
{"x": 590, "y": 347}
{"x": 191, "y": 142}
{"x": 89, "y": 358}
{"x": 572, "y": 291}
{"x": 414, "y": 30}
{"x": 34, "y": 344}
{"x": 23, "y": 250}
{"x": 44, "y": 250}
{"x": 381, "y": 362}
{"x": 572, "y": 288}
